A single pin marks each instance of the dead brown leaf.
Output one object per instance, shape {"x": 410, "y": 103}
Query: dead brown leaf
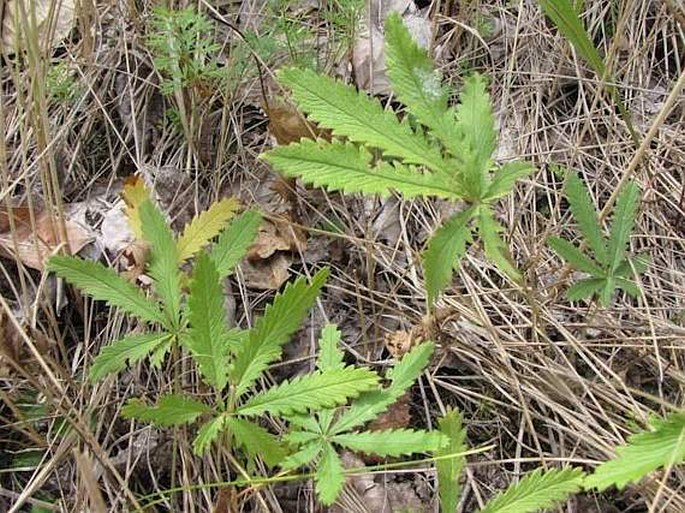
{"x": 287, "y": 124}
{"x": 227, "y": 501}
{"x": 33, "y": 244}
{"x": 268, "y": 260}
{"x": 10, "y": 345}
{"x": 53, "y": 19}
{"x": 380, "y": 494}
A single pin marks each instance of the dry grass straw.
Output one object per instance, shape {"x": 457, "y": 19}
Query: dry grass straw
{"x": 543, "y": 380}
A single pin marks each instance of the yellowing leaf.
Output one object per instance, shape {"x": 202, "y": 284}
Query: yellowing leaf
{"x": 205, "y": 226}
{"x": 133, "y": 195}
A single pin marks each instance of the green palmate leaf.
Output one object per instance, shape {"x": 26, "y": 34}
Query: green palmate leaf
{"x": 104, "y": 284}
{"x": 234, "y": 241}
{"x": 444, "y": 250}
{"x": 345, "y": 167}
{"x": 405, "y": 372}
{"x": 585, "y": 215}
{"x": 505, "y": 177}
{"x": 449, "y": 470}
{"x": 565, "y": 17}
{"x": 330, "y": 476}
{"x": 607, "y": 291}
{"x": 311, "y": 392}
{"x": 171, "y": 410}
{"x": 392, "y": 442}
{"x": 494, "y": 246}
{"x": 585, "y": 288}
{"x": 537, "y": 491}
{"x": 280, "y": 320}
{"x": 205, "y": 227}
{"x": 369, "y": 406}
{"x": 131, "y": 349}
{"x": 418, "y": 84}
{"x": 352, "y": 114}
{"x": 163, "y": 260}
{"x": 158, "y": 355}
{"x": 302, "y": 457}
{"x": 235, "y": 338}
{"x": 476, "y": 124}
{"x": 207, "y": 337}
{"x": 575, "y": 257}
{"x": 629, "y": 287}
{"x": 301, "y": 437}
{"x": 628, "y": 267}
{"x": 647, "y": 451}
{"x": 330, "y": 357}
{"x": 402, "y": 376}
{"x": 208, "y": 433}
{"x": 256, "y": 441}
{"x": 623, "y": 222}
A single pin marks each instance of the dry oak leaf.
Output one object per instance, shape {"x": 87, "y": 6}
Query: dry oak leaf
{"x": 288, "y": 124}
{"x": 53, "y": 19}
{"x": 33, "y": 244}
{"x": 268, "y": 260}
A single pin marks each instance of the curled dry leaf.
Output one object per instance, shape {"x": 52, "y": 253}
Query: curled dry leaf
{"x": 288, "y": 124}
{"x": 33, "y": 244}
{"x": 268, "y": 260}
{"x": 13, "y": 349}
{"x": 53, "y": 19}
{"x": 379, "y": 493}
{"x": 368, "y": 54}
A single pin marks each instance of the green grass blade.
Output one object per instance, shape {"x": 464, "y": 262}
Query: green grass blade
{"x": 311, "y": 392}
{"x": 234, "y": 241}
{"x": 585, "y": 215}
{"x": 392, "y": 442}
{"x": 565, "y": 17}
{"x": 623, "y": 223}
{"x": 575, "y": 257}
{"x": 449, "y": 470}
{"x": 352, "y": 114}
{"x": 540, "y": 490}
{"x": 171, "y": 410}
{"x": 115, "y": 356}
{"x": 280, "y": 320}
{"x": 662, "y": 446}
{"x": 208, "y": 335}
{"x": 104, "y": 284}
{"x": 444, "y": 250}
{"x": 348, "y": 168}
{"x": 163, "y": 260}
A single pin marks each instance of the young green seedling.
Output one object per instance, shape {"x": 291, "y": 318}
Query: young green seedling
{"x": 450, "y": 155}
{"x": 605, "y": 260}
{"x": 316, "y": 438}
